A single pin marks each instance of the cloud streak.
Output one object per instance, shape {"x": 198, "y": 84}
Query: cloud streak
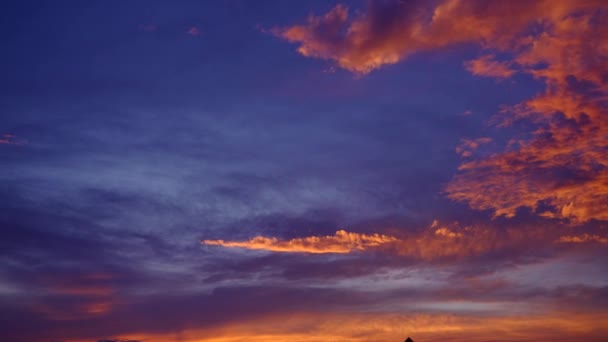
{"x": 341, "y": 242}
{"x": 438, "y": 241}
{"x": 583, "y": 238}
{"x": 488, "y": 66}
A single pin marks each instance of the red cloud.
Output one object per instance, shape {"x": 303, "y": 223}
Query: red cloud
{"x": 467, "y": 146}
{"x": 562, "y": 171}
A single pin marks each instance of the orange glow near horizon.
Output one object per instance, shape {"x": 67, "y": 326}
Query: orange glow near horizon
{"x": 382, "y": 327}
{"x": 435, "y": 242}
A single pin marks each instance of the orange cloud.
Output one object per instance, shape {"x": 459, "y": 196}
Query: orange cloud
{"x": 447, "y": 233}
{"x": 389, "y": 32}
{"x": 583, "y": 239}
{"x": 562, "y": 170}
{"x": 489, "y": 67}
{"x": 467, "y": 146}
{"x": 341, "y": 242}
{"x": 435, "y": 242}
{"x": 456, "y": 241}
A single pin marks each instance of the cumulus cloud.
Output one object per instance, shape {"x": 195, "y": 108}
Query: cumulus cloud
{"x": 562, "y": 170}
{"x": 390, "y": 31}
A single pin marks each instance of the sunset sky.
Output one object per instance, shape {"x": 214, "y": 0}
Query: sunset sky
{"x": 304, "y": 171}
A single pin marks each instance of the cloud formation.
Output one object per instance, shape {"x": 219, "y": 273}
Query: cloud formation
{"x": 341, "y": 242}
{"x": 467, "y": 146}
{"x": 561, "y": 171}
{"x": 437, "y": 241}
{"x": 583, "y": 238}
{"x": 390, "y": 31}
{"x": 488, "y": 66}
{"x": 100, "y": 214}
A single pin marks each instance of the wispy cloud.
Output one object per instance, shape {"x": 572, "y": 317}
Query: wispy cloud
{"x": 341, "y": 242}
{"x": 11, "y": 139}
{"x": 583, "y": 238}
{"x": 488, "y": 66}
{"x": 468, "y": 146}
{"x": 434, "y": 242}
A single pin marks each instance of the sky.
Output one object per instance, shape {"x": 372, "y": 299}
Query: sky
{"x": 298, "y": 171}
